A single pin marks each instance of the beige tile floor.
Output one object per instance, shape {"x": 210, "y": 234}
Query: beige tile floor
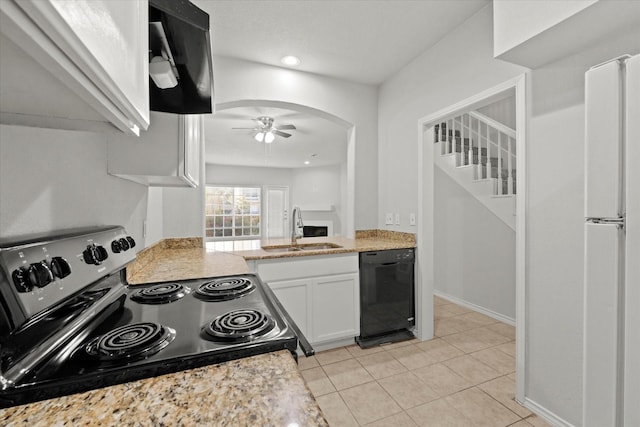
{"x": 465, "y": 376}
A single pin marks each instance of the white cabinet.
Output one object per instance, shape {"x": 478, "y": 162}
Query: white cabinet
{"x": 168, "y": 154}
{"x": 295, "y": 296}
{"x": 79, "y": 64}
{"x": 321, "y": 293}
{"x": 335, "y": 307}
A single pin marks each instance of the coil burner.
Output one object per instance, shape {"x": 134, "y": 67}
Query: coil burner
{"x": 160, "y": 294}
{"x": 130, "y": 342}
{"x": 239, "y": 326}
{"x": 225, "y": 289}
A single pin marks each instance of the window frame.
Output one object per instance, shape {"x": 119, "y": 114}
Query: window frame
{"x": 234, "y": 215}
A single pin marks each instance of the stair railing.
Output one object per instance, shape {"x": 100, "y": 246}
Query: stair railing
{"x": 500, "y": 148}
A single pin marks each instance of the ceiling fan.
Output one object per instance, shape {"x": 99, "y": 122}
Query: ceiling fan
{"x": 267, "y": 131}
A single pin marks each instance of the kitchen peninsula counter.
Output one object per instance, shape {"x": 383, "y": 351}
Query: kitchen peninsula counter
{"x": 186, "y": 258}
{"x": 260, "y": 390}
{"x": 366, "y": 240}
{"x": 182, "y": 259}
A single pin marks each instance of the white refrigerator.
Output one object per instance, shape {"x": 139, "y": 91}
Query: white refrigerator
{"x": 611, "y": 374}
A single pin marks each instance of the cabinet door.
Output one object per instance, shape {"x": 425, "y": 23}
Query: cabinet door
{"x": 98, "y": 48}
{"x": 335, "y": 307}
{"x": 192, "y": 132}
{"x": 294, "y": 295}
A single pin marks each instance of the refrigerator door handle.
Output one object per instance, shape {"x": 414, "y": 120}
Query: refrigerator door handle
{"x": 612, "y": 221}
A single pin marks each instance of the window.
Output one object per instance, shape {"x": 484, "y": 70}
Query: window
{"x": 232, "y": 212}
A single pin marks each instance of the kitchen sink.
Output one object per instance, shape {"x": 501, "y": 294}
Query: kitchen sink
{"x": 302, "y": 247}
{"x": 281, "y": 248}
{"x": 319, "y": 247}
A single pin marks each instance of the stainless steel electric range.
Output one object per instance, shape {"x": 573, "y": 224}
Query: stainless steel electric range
{"x": 69, "y": 322}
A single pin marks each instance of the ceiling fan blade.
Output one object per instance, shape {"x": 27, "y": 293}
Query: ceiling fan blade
{"x": 282, "y": 134}
{"x": 286, "y": 127}
{"x": 247, "y": 128}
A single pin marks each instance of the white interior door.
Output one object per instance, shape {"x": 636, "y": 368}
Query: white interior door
{"x": 276, "y": 208}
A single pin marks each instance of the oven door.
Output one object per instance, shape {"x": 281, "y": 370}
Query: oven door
{"x": 303, "y": 343}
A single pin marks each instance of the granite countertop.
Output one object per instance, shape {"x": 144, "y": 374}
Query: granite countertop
{"x": 264, "y": 390}
{"x": 367, "y": 240}
{"x": 186, "y": 258}
{"x": 181, "y": 259}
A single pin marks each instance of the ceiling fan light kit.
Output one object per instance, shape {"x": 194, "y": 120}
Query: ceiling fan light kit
{"x": 266, "y": 137}
{"x": 267, "y": 131}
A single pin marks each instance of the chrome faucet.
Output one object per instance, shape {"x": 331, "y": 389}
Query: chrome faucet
{"x": 296, "y": 224}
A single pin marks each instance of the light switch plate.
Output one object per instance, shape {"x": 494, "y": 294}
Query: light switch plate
{"x": 388, "y": 219}
{"x": 412, "y": 219}
{"x": 397, "y": 219}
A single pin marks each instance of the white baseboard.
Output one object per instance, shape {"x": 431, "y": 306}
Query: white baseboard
{"x": 345, "y": 342}
{"x": 545, "y": 414}
{"x": 474, "y": 307}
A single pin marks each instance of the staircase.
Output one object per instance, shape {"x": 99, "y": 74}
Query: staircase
{"x": 479, "y": 153}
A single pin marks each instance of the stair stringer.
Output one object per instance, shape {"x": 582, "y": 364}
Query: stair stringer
{"x": 483, "y": 190}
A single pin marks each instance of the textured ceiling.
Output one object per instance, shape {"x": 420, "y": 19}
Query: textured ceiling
{"x": 313, "y": 136}
{"x": 364, "y": 41}
{"x": 358, "y": 40}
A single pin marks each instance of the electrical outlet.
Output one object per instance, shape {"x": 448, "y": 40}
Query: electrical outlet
{"x": 412, "y": 219}
{"x": 397, "y": 219}
{"x": 388, "y": 219}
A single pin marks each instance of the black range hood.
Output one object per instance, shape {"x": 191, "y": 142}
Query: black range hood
{"x": 179, "y": 34}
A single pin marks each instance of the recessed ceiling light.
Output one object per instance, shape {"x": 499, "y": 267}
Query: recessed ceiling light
{"x": 306, "y": 162}
{"x": 290, "y": 60}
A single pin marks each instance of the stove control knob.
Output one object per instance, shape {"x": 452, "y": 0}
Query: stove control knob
{"x": 124, "y": 243}
{"x": 89, "y": 255}
{"x": 40, "y": 274}
{"x": 21, "y": 280}
{"x": 60, "y": 267}
{"x": 132, "y": 243}
{"x": 101, "y": 254}
{"x": 116, "y": 247}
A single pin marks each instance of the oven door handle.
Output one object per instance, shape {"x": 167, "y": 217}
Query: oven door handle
{"x": 304, "y": 345}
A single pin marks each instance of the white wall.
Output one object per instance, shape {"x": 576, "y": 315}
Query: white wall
{"x": 247, "y": 175}
{"x": 352, "y": 102}
{"x": 555, "y": 227}
{"x": 313, "y": 186}
{"x": 319, "y": 186}
{"x": 465, "y": 267}
{"x": 503, "y": 111}
{"x": 53, "y": 179}
{"x": 554, "y": 193}
{"x": 155, "y": 217}
{"x": 518, "y": 21}
{"x": 459, "y": 66}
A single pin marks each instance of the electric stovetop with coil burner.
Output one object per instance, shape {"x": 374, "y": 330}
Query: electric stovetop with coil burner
{"x": 134, "y": 332}
{"x": 164, "y": 328}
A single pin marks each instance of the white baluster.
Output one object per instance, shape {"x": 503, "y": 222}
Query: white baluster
{"x": 470, "y": 143}
{"x": 449, "y": 147}
{"x": 453, "y": 140}
{"x": 480, "y": 168}
{"x": 488, "y": 165}
{"x": 463, "y": 154}
{"x": 500, "y": 162}
{"x": 509, "y": 173}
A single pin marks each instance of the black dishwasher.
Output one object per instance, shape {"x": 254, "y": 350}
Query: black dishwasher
{"x": 387, "y": 308}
